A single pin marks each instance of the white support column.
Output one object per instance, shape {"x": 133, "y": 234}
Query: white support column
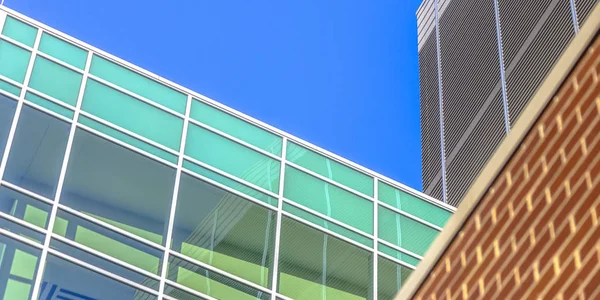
{"x": 375, "y": 236}
{"x": 574, "y": 16}
{"x": 169, "y": 237}
{"x": 63, "y": 172}
{"x": 441, "y": 100}
{"x": 278, "y": 221}
{"x": 501, "y": 60}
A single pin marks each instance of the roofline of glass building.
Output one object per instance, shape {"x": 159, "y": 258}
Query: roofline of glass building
{"x": 227, "y": 109}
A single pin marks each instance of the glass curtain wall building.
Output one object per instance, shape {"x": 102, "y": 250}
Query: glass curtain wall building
{"x": 117, "y": 184}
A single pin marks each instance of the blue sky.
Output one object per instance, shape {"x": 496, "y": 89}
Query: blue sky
{"x": 341, "y": 74}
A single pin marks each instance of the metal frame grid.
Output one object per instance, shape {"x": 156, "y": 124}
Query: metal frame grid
{"x": 56, "y": 205}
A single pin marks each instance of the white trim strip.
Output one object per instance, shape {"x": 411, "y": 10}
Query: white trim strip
{"x": 22, "y": 222}
{"x": 93, "y": 268}
{"x": 416, "y": 219}
{"x": 375, "y": 258}
{"x": 63, "y": 172}
{"x": 441, "y": 101}
{"x": 50, "y": 98}
{"x": 501, "y": 60}
{"x": 400, "y": 249}
{"x": 26, "y": 192}
{"x": 219, "y": 271}
{"x": 275, "y": 275}
{"x": 48, "y": 112}
{"x": 19, "y": 238}
{"x": 171, "y": 222}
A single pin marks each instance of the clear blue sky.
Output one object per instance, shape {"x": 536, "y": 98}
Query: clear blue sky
{"x": 341, "y": 74}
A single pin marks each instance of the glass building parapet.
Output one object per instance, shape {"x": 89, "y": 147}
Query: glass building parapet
{"x": 117, "y": 184}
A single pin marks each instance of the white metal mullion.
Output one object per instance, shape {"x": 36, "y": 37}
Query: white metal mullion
{"x": 61, "y": 179}
{"x": 574, "y": 16}
{"x": 50, "y": 98}
{"x": 375, "y": 269}
{"x": 502, "y": 75}
{"x": 275, "y": 268}
{"x": 11, "y": 81}
{"x": 416, "y": 219}
{"x": 16, "y": 116}
{"x": 99, "y": 271}
{"x": 26, "y": 192}
{"x": 404, "y": 264}
{"x": 169, "y": 237}
{"x": 22, "y": 222}
{"x": 19, "y": 238}
{"x": 47, "y": 111}
{"x": 400, "y": 249}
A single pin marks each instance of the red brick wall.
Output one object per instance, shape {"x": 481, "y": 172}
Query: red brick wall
{"x": 535, "y": 234}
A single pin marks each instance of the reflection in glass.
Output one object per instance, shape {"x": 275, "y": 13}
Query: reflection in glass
{"x": 22, "y": 230}
{"x": 391, "y": 277}
{"x": 66, "y": 280}
{"x": 224, "y": 230}
{"x": 405, "y": 232}
{"x": 118, "y": 186}
{"x": 18, "y": 265}
{"x": 37, "y": 152}
{"x": 210, "y": 283}
{"x": 7, "y": 110}
{"x": 24, "y": 207}
{"x": 314, "y": 265}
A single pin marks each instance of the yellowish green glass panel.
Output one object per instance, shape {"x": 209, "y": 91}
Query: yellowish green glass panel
{"x": 17, "y": 290}
{"x": 405, "y": 232}
{"x": 45, "y": 103}
{"x": 55, "y": 80}
{"x": 19, "y": 31}
{"x": 63, "y": 50}
{"x": 411, "y": 204}
{"x": 330, "y": 168}
{"x": 123, "y": 137}
{"x": 19, "y": 263}
{"x": 236, "y": 127}
{"x": 138, "y": 84}
{"x": 132, "y": 114}
{"x": 233, "y": 158}
{"x": 327, "y": 225}
{"x": 13, "y": 61}
{"x": 328, "y": 199}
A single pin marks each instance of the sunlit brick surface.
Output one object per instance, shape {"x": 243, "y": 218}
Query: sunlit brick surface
{"x": 535, "y": 234}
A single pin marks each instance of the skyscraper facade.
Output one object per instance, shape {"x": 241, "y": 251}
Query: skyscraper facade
{"x": 118, "y": 184}
{"x": 480, "y": 61}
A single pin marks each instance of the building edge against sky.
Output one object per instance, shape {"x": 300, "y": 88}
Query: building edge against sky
{"x": 65, "y": 86}
{"x": 480, "y": 61}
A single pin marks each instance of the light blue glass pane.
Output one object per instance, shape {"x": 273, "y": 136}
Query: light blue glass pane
{"x": 49, "y": 105}
{"x": 13, "y": 61}
{"x": 12, "y": 89}
{"x": 55, "y": 80}
{"x": 63, "y": 50}
{"x": 7, "y": 110}
{"x": 138, "y": 84}
{"x": 19, "y": 31}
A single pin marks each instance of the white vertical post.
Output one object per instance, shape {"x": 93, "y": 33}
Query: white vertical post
{"x": 375, "y": 236}
{"x": 169, "y": 237}
{"x": 61, "y": 178}
{"x": 441, "y": 100}
{"x": 501, "y": 60}
{"x": 13, "y": 127}
{"x": 278, "y": 221}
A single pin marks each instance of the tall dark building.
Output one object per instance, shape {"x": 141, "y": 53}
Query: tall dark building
{"x": 480, "y": 61}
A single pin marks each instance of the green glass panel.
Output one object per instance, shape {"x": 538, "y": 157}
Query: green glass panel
{"x": 24, "y": 207}
{"x": 111, "y": 243}
{"x": 127, "y": 139}
{"x": 328, "y": 199}
{"x": 210, "y": 283}
{"x": 82, "y": 283}
{"x": 13, "y": 61}
{"x": 230, "y": 183}
{"x": 236, "y": 127}
{"x": 63, "y": 50}
{"x": 19, "y": 263}
{"x": 19, "y": 31}
{"x": 411, "y": 204}
{"x": 399, "y": 255}
{"x": 132, "y": 114}
{"x": 224, "y": 230}
{"x": 138, "y": 84}
{"x": 10, "y": 88}
{"x": 330, "y": 168}
{"x": 49, "y": 105}
{"x": 316, "y": 266}
{"x": 405, "y": 232}
{"x": 233, "y": 158}
{"x": 390, "y": 278}
{"x": 55, "y": 80}
{"x": 327, "y": 225}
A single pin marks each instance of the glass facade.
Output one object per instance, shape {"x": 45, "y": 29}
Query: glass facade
{"x": 115, "y": 184}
